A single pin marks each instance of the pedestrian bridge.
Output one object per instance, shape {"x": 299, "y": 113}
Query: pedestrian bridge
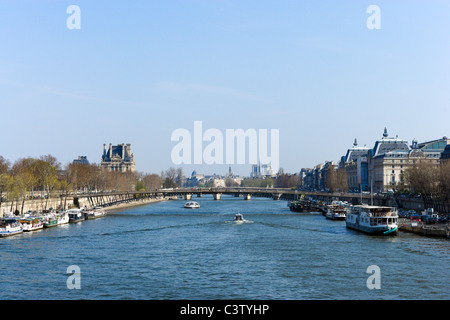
{"x": 113, "y": 197}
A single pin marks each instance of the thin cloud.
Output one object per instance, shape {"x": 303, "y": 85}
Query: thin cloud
{"x": 195, "y": 88}
{"x": 54, "y": 91}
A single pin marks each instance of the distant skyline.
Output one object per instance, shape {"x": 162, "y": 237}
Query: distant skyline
{"x": 138, "y": 70}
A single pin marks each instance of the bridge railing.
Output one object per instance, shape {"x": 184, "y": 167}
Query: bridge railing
{"x": 225, "y": 190}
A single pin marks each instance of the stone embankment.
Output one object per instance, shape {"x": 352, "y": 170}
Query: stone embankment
{"x": 39, "y": 205}
{"x": 418, "y": 227}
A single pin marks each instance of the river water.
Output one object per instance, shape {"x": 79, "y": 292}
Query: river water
{"x": 163, "y": 251}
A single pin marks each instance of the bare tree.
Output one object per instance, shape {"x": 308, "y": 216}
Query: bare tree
{"x": 4, "y": 165}
{"x": 332, "y": 179}
{"x": 171, "y": 176}
{"x": 52, "y": 161}
{"x": 229, "y": 182}
{"x": 444, "y": 180}
{"x": 423, "y": 177}
{"x": 152, "y": 181}
{"x": 285, "y": 180}
{"x": 180, "y": 177}
{"x": 341, "y": 180}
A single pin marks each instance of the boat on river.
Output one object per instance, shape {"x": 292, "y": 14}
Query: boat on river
{"x": 375, "y": 220}
{"x": 95, "y": 213}
{"x": 76, "y": 215}
{"x": 50, "y": 220}
{"x": 307, "y": 205}
{"x": 10, "y": 227}
{"x": 239, "y": 219}
{"x": 296, "y": 206}
{"x": 192, "y": 205}
{"x": 32, "y": 224}
{"x": 336, "y": 212}
{"x": 63, "y": 218}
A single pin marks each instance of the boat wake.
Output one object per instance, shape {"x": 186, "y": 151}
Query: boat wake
{"x": 240, "y": 222}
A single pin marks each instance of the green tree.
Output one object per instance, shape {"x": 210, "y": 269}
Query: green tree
{"x": 140, "y": 186}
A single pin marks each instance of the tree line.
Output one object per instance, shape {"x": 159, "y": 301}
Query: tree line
{"x": 44, "y": 177}
{"x": 337, "y": 179}
{"x": 29, "y": 178}
{"x": 427, "y": 178}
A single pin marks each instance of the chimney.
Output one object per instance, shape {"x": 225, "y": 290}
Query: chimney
{"x": 123, "y": 151}
{"x": 128, "y": 149}
{"x": 110, "y": 150}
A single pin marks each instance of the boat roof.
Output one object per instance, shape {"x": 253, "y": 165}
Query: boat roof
{"x": 373, "y": 207}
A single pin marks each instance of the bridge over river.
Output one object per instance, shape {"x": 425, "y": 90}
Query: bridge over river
{"x": 113, "y": 198}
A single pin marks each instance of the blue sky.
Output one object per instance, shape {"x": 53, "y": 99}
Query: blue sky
{"x": 138, "y": 70}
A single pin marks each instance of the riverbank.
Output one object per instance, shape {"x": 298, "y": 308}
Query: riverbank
{"x": 135, "y": 203}
{"x": 433, "y": 230}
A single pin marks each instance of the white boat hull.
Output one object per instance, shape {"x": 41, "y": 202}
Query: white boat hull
{"x": 10, "y": 232}
{"x": 374, "y": 220}
{"x": 335, "y": 217}
{"x": 94, "y": 216}
{"x": 378, "y": 230}
{"x": 191, "y": 205}
{"x": 63, "y": 219}
{"x": 33, "y": 228}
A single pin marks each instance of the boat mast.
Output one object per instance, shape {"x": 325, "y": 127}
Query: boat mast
{"x": 371, "y": 193}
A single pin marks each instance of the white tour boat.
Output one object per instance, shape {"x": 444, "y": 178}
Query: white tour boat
{"x": 192, "y": 205}
{"x": 336, "y": 212}
{"x": 10, "y": 227}
{"x": 76, "y": 215}
{"x": 373, "y": 219}
{"x": 32, "y": 224}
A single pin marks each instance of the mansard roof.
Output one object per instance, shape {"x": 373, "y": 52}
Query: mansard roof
{"x": 355, "y": 152}
{"x": 117, "y": 153}
{"x": 388, "y": 144}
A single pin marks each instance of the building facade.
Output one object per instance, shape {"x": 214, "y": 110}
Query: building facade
{"x": 355, "y": 164}
{"x": 118, "y": 158}
{"x": 382, "y": 167}
{"x": 262, "y": 171}
{"x": 390, "y": 157}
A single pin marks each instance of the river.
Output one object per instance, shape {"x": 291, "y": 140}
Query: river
{"x": 163, "y": 251}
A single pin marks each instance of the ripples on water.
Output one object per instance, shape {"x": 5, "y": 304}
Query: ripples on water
{"x": 163, "y": 251}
